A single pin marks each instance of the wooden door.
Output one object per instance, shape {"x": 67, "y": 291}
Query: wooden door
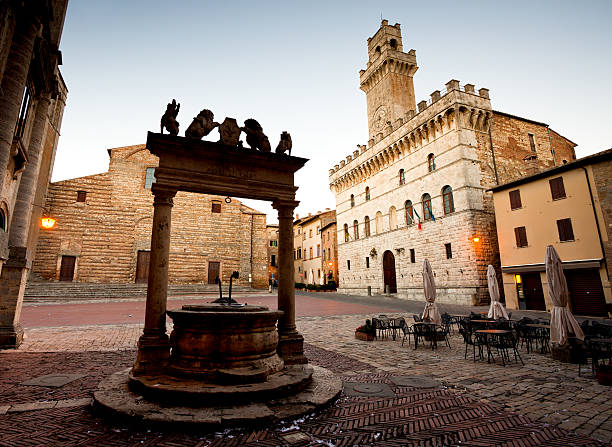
{"x": 142, "y": 266}
{"x": 532, "y": 288}
{"x": 586, "y": 292}
{"x": 389, "y": 271}
{"x": 213, "y": 271}
{"x": 67, "y": 268}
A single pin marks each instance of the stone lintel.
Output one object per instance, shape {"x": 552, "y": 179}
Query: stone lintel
{"x": 214, "y": 168}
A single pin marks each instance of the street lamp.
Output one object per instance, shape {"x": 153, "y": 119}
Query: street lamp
{"x": 46, "y": 221}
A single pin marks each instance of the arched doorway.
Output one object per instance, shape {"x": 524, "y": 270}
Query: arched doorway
{"x": 389, "y": 271}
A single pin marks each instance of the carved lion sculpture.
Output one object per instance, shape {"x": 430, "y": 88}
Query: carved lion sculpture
{"x": 255, "y": 137}
{"x": 284, "y": 145}
{"x": 201, "y": 125}
{"x": 168, "y": 119}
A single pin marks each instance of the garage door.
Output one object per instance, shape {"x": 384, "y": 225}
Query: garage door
{"x": 586, "y": 292}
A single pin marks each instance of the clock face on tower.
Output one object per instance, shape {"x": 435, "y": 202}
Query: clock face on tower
{"x": 379, "y": 119}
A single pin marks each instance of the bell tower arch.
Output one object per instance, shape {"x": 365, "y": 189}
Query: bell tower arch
{"x": 387, "y": 79}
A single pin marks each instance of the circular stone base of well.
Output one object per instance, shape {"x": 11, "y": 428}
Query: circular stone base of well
{"x": 115, "y": 397}
{"x": 193, "y": 392}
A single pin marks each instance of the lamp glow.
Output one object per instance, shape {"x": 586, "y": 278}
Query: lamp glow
{"x": 47, "y": 222}
{"x": 517, "y": 279}
{"x": 476, "y": 239}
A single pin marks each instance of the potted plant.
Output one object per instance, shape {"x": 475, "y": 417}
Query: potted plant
{"x": 603, "y": 373}
{"x": 365, "y": 331}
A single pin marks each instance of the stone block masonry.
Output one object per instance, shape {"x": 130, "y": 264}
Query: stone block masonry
{"x": 106, "y": 231}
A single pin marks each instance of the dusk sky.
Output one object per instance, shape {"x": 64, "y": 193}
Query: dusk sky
{"x": 295, "y": 66}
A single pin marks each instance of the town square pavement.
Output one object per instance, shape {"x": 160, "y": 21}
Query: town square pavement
{"x": 410, "y": 397}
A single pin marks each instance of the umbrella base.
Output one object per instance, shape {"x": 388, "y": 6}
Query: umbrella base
{"x": 573, "y": 352}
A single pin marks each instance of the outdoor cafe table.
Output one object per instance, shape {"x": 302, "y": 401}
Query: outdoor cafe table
{"x": 430, "y": 330}
{"x": 485, "y": 333}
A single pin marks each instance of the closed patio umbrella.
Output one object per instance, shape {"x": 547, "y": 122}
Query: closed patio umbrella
{"x": 562, "y": 322}
{"x": 496, "y": 310}
{"x": 431, "y": 309}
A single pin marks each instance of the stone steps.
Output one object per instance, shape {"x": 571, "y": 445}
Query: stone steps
{"x": 41, "y": 292}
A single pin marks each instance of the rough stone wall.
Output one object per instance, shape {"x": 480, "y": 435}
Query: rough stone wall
{"x": 510, "y": 137}
{"x": 107, "y": 230}
{"x": 602, "y": 173}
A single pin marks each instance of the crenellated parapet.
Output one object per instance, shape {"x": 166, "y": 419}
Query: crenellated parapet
{"x": 454, "y": 108}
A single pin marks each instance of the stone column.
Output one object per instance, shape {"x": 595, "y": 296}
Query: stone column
{"x": 153, "y": 345}
{"x": 22, "y": 211}
{"x": 13, "y": 84}
{"x": 291, "y": 342}
{"x": 13, "y": 280}
{"x": 14, "y": 273}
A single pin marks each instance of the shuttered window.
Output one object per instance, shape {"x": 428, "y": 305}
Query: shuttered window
{"x": 81, "y": 196}
{"x": 515, "y": 200}
{"x": 556, "y": 188}
{"x": 216, "y": 206}
{"x": 566, "y": 232}
{"x": 521, "y": 236}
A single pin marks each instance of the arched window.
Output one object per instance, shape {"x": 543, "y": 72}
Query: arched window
{"x": 431, "y": 163}
{"x": 367, "y": 193}
{"x": 402, "y": 178}
{"x": 366, "y": 223}
{"x": 392, "y": 218}
{"x": 2, "y": 220}
{"x": 408, "y": 212}
{"x": 426, "y": 200}
{"x": 352, "y": 200}
{"x": 379, "y": 223}
{"x": 447, "y": 200}
{"x": 346, "y": 233}
{"x": 356, "y": 229}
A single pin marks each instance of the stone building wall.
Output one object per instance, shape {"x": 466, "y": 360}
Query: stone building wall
{"x": 330, "y": 247}
{"x": 106, "y": 231}
{"x": 272, "y": 247}
{"x": 602, "y": 173}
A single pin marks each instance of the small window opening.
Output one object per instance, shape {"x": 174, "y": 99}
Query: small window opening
{"x": 449, "y": 251}
{"x": 216, "y": 206}
{"x": 81, "y": 196}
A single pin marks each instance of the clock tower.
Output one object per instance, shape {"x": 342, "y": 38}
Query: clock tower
{"x": 387, "y": 79}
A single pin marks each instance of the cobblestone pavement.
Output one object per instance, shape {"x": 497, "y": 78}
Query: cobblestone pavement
{"x": 542, "y": 403}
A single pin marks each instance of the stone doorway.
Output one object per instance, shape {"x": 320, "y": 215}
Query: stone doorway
{"x": 67, "y": 268}
{"x": 214, "y": 270}
{"x": 389, "y": 272}
{"x": 142, "y": 266}
{"x": 532, "y": 288}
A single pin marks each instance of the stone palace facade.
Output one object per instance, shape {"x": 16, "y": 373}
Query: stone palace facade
{"x": 418, "y": 188}
{"x": 103, "y": 232}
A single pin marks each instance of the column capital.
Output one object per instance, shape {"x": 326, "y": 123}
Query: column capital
{"x": 282, "y": 206}
{"x": 162, "y": 196}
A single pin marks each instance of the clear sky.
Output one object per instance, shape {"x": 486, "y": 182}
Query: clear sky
{"x": 295, "y": 66}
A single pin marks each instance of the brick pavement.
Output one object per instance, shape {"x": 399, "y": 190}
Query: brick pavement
{"x": 481, "y": 404}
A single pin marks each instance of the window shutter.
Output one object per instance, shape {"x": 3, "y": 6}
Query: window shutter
{"x": 515, "y": 199}
{"x": 566, "y": 232}
{"x": 520, "y": 234}
{"x": 557, "y": 189}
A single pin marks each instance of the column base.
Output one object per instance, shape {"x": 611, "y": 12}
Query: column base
{"x": 153, "y": 354}
{"x": 291, "y": 348}
{"x": 11, "y": 337}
